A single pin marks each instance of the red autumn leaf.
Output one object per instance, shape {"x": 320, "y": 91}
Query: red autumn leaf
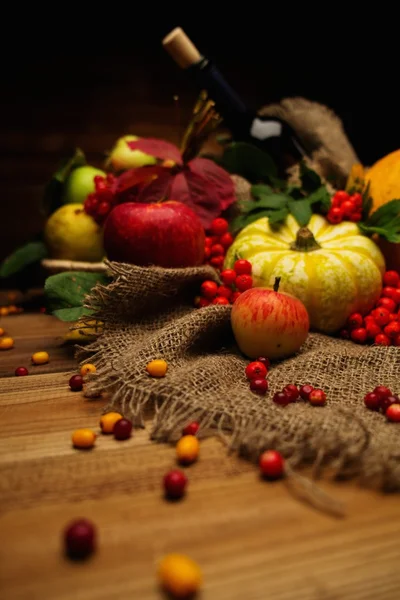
{"x": 157, "y": 189}
{"x": 134, "y": 177}
{"x": 158, "y": 148}
{"x": 199, "y": 194}
{"x": 217, "y": 176}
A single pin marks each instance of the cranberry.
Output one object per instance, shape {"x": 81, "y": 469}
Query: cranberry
{"x": 348, "y": 208}
{"x": 103, "y": 209}
{"x": 256, "y": 370}
{"x": 220, "y": 300}
{"x": 244, "y": 282}
{"x": 382, "y": 392}
{"x": 382, "y": 340}
{"x": 191, "y": 429}
{"x": 387, "y": 303}
{"x": 355, "y": 320}
{"x": 357, "y": 200}
{"x": 292, "y": 391}
{"x": 224, "y": 291}
{"x": 217, "y": 250}
{"x": 208, "y": 242}
{"x": 175, "y": 484}
{"x": 228, "y": 276}
{"x": 76, "y": 383}
{"x": 271, "y": 464}
{"x": 317, "y": 398}
{"x": 122, "y": 429}
{"x": 219, "y": 226}
{"x": 388, "y": 401}
{"x": 265, "y": 361}
{"x": 335, "y": 215}
{"x": 209, "y": 289}
{"x": 98, "y": 181}
{"x": 372, "y": 401}
{"x": 259, "y": 386}
{"x": 217, "y": 261}
{"x": 392, "y": 329}
{"x": 388, "y": 292}
{"x": 396, "y": 340}
{"x": 393, "y": 413}
{"x": 391, "y": 278}
{"x": 282, "y": 398}
{"x": 340, "y": 197}
{"x": 202, "y": 302}
{"x": 393, "y": 317}
{"x": 344, "y": 334}
{"x": 305, "y": 391}
{"x": 207, "y": 253}
{"x": 355, "y": 217}
{"x": 372, "y": 329}
{"x": 80, "y": 538}
{"x": 235, "y": 296}
{"x": 396, "y": 296}
{"x": 242, "y": 267}
{"x": 381, "y": 316}
{"x": 21, "y": 371}
{"x": 359, "y": 335}
{"x": 226, "y": 240}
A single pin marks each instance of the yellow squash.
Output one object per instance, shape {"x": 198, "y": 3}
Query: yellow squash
{"x": 333, "y": 269}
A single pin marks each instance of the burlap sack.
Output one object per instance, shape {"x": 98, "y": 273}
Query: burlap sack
{"x": 148, "y": 313}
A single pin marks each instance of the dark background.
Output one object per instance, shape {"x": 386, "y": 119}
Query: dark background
{"x": 69, "y": 80}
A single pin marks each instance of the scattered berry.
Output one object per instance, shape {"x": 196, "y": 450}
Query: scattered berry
{"x": 220, "y": 300}
{"x": 179, "y": 576}
{"x": 122, "y": 429}
{"x": 208, "y": 242}
{"x": 157, "y": 368}
{"x": 372, "y": 401}
{"x": 191, "y": 428}
{"x": 265, "y": 361}
{"x": 175, "y": 484}
{"x": 200, "y": 302}
{"x": 393, "y": 413}
{"x": 2, "y": 332}
{"x": 256, "y": 370}
{"x": 83, "y": 438}
{"x": 392, "y": 329}
{"x": 88, "y": 368}
{"x": 187, "y": 449}
{"x": 79, "y": 539}
{"x": 382, "y": 340}
{"x": 271, "y": 464}
{"x": 317, "y": 398}
{"x": 228, "y": 276}
{"x": 217, "y": 262}
{"x": 244, "y": 282}
{"x": 292, "y": 391}
{"x": 388, "y": 401}
{"x": 355, "y": 321}
{"x": 372, "y": 329}
{"x": 209, "y": 289}
{"x": 6, "y": 343}
{"x": 217, "y": 250}
{"x": 219, "y": 226}
{"x": 242, "y": 267}
{"x": 226, "y": 240}
{"x": 259, "y": 386}
{"x": 381, "y": 316}
{"x": 21, "y": 371}
{"x": 359, "y": 335}
{"x": 40, "y": 358}
{"x": 282, "y": 398}
{"x": 391, "y": 278}
{"x": 108, "y": 420}
{"x": 382, "y": 392}
{"x": 76, "y": 383}
{"x": 386, "y": 303}
{"x": 224, "y": 291}
{"x": 305, "y": 391}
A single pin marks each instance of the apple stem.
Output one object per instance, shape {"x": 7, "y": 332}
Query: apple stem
{"x": 276, "y": 284}
{"x": 305, "y": 241}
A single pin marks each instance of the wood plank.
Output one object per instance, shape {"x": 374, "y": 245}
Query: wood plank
{"x": 253, "y": 540}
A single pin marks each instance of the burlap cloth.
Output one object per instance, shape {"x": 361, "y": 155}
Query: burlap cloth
{"x": 148, "y": 313}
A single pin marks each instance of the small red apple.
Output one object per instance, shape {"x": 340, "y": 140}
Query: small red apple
{"x": 167, "y": 234}
{"x": 267, "y": 322}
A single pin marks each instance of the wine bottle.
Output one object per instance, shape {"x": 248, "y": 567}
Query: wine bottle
{"x": 271, "y": 134}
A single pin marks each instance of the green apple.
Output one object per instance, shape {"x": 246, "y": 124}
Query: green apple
{"x": 80, "y": 183}
{"x": 71, "y": 234}
{"x": 122, "y": 157}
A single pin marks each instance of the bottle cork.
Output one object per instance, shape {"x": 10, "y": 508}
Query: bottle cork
{"x": 181, "y": 48}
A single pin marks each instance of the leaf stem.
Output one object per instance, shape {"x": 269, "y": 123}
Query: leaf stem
{"x": 276, "y": 284}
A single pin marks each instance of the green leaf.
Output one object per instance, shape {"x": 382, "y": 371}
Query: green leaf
{"x": 65, "y": 293}
{"x": 322, "y": 197}
{"x": 301, "y": 211}
{"x": 310, "y": 180}
{"x": 261, "y": 189}
{"x": 53, "y": 191}
{"x": 278, "y": 216}
{"x": 249, "y": 161}
{"x": 22, "y": 257}
{"x": 274, "y": 201}
{"x": 385, "y": 221}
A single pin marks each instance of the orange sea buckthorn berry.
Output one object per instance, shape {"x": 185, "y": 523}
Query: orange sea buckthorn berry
{"x": 179, "y": 575}
{"x": 157, "y": 368}
{"x": 187, "y": 449}
{"x": 6, "y": 343}
{"x": 13, "y": 310}
{"x": 40, "y": 358}
{"x": 2, "y": 332}
{"x": 3, "y": 311}
{"x": 108, "y": 421}
{"x": 83, "y": 438}
{"x": 88, "y": 368}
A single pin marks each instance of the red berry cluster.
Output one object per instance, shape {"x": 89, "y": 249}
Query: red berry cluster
{"x": 175, "y": 482}
{"x": 217, "y": 243}
{"x": 345, "y": 208}
{"x": 99, "y": 204}
{"x": 292, "y": 393}
{"x": 234, "y": 282}
{"x": 382, "y": 325}
{"x": 382, "y": 399}
{"x": 256, "y": 373}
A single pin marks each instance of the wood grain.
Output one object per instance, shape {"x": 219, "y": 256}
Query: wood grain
{"x": 253, "y": 540}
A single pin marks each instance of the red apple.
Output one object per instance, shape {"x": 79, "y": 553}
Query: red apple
{"x": 270, "y": 323}
{"x": 166, "y": 234}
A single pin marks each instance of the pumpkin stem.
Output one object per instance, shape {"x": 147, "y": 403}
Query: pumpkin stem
{"x": 276, "y": 284}
{"x": 305, "y": 241}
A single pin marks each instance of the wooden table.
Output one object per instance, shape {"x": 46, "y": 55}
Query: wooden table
{"x": 253, "y": 540}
